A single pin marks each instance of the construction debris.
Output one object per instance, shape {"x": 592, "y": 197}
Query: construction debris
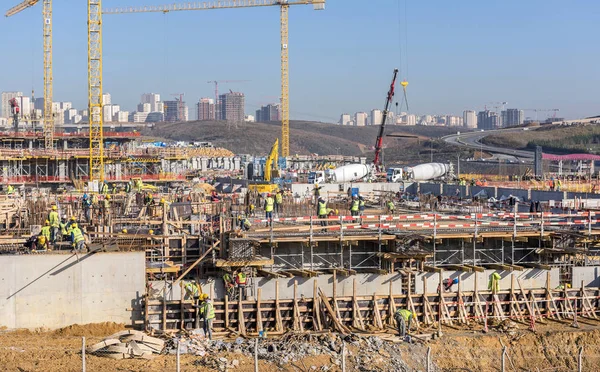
{"x": 127, "y": 345}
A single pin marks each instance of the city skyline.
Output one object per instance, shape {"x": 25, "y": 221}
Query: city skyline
{"x": 447, "y": 66}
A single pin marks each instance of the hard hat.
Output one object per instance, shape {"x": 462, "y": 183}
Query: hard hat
{"x": 354, "y": 196}
{"x": 239, "y": 218}
{"x": 162, "y": 200}
{"x": 74, "y": 225}
{"x": 54, "y": 207}
{"x": 204, "y": 296}
{"x": 46, "y": 222}
{"x": 73, "y": 218}
{"x": 107, "y": 196}
{"x": 124, "y": 231}
{"x": 85, "y": 196}
{"x": 151, "y": 232}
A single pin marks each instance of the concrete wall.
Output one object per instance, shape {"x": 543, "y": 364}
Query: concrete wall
{"x": 531, "y": 278}
{"x": 589, "y": 275}
{"x": 55, "y": 290}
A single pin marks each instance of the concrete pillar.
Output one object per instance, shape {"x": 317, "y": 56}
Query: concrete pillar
{"x": 496, "y": 192}
{"x": 236, "y": 163}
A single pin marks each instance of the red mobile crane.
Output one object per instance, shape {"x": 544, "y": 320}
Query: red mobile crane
{"x": 14, "y": 108}
{"x": 379, "y": 142}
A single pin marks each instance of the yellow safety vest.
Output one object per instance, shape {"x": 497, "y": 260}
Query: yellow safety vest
{"x": 241, "y": 278}
{"x": 404, "y": 313}
{"x": 63, "y": 228}
{"x": 391, "y": 206}
{"x": 269, "y": 205}
{"x": 278, "y": 198}
{"x": 246, "y": 223}
{"x": 208, "y": 310}
{"x": 77, "y": 235}
{"x": 53, "y": 219}
{"x": 355, "y": 205}
{"x": 46, "y": 232}
{"x": 322, "y": 209}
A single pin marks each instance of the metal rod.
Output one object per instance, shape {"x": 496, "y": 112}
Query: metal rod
{"x": 83, "y": 354}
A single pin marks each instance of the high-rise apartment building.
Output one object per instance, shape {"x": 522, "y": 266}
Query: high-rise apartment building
{"x": 7, "y": 96}
{"x": 270, "y": 112}
{"x": 345, "y": 119}
{"x": 376, "y": 117}
{"x": 360, "y": 119}
{"x": 175, "y": 111}
{"x": 106, "y": 99}
{"x": 153, "y": 99}
{"x": 144, "y": 107}
{"x": 513, "y": 117}
{"x": 231, "y": 106}
{"x": 469, "y": 119}
{"x": 206, "y": 109}
{"x": 487, "y": 120}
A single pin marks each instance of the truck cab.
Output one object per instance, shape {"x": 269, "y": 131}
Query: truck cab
{"x": 316, "y": 177}
{"x": 394, "y": 174}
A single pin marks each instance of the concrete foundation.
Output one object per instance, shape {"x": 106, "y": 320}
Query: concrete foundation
{"x": 54, "y": 291}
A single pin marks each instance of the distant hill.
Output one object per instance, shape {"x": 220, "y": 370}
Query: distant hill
{"x": 305, "y": 137}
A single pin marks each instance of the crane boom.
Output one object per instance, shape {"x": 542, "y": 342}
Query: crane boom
{"x": 20, "y": 7}
{"x": 388, "y": 102}
{"x": 227, "y": 4}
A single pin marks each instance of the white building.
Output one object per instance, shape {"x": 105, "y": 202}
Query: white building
{"x": 25, "y": 105}
{"x": 249, "y": 119}
{"x": 154, "y": 100}
{"x": 7, "y": 96}
{"x": 144, "y": 107}
{"x": 408, "y": 119}
{"x": 376, "y": 117}
{"x": 360, "y": 119}
{"x": 138, "y": 117}
{"x": 345, "y": 119}
{"x": 469, "y": 119}
{"x": 106, "y": 99}
{"x": 70, "y": 115}
{"x": 121, "y": 117}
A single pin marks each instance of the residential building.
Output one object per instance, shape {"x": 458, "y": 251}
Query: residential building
{"x": 156, "y": 117}
{"x": 376, "y": 117}
{"x": 138, "y": 117}
{"x": 345, "y": 119}
{"x": 121, "y": 117}
{"x": 106, "y": 99}
{"x": 469, "y": 119}
{"x": 70, "y": 115}
{"x": 153, "y": 99}
{"x": 483, "y": 119}
{"x": 7, "y": 96}
{"x": 206, "y": 109}
{"x": 360, "y": 119}
{"x": 250, "y": 119}
{"x": 513, "y": 117}
{"x": 175, "y": 111}
{"x": 270, "y": 112}
{"x": 144, "y": 107}
{"x": 232, "y": 107}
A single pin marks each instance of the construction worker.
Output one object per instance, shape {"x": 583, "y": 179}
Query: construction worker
{"x": 278, "y": 202}
{"x": 41, "y": 243}
{"x": 106, "y": 207}
{"x": 269, "y": 203}
{"x": 192, "y": 290}
{"x": 128, "y": 186}
{"x": 251, "y": 208}
{"x": 354, "y": 206}
{"x": 207, "y": 313}
{"x": 46, "y": 231}
{"x": 317, "y": 191}
{"x": 494, "y": 283}
{"x": 245, "y": 224}
{"x": 104, "y": 188}
{"x": 165, "y": 204}
{"x": 403, "y": 317}
{"x": 54, "y": 224}
{"x": 241, "y": 280}
{"x": 229, "y": 285}
{"x": 150, "y": 232}
{"x": 322, "y": 211}
{"x": 87, "y": 207}
{"x": 63, "y": 228}
{"x": 361, "y": 205}
{"x": 558, "y": 184}
{"x": 390, "y": 206}
{"x": 124, "y": 231}
{"x": 10, "y": 190}
{"x": 72, "y": 220}
{"x": 77, "y": 238}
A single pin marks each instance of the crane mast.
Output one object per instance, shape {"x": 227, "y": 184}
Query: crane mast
{"x": 388, "y": 102}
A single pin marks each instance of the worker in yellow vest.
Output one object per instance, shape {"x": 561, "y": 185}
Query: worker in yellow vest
{"x": 54, "y": 224}
{"x": 494, "y": 283}
{"x": 354, "y": 206}
{"x": 278, "y": 202}
{"x": 269, "y": 203}
{"x": 10, "y": 190}
{"x": 390, "y": 207}
{"x": 241, "y": 279}
{"x": 46, "y": 231}
{"x": 77, "y": 238}
{"x": 192, "y": 290}
{"x": 63, "y": 228}
{"x": 403, "y": 318}
{"x": 322, "y": 211}
{"x": 207, "y": 314}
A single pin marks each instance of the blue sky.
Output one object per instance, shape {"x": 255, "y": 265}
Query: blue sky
{"x": 460, "y": 54}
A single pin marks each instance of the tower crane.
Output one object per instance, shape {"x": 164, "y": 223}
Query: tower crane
{"x": 209, "y": 5}
{"x": 216, "y": 82}
{"x": 542, "y": 110}
{"x": 47, "y": 32}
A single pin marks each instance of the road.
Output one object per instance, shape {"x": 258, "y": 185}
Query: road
{"x": 472, "y": 140}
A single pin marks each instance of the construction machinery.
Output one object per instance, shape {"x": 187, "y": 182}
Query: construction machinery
{"x": 15, "y": 110}
{"x": 270, "y": 171}
{"x": 48, "y": 79}
{"x": 210, "y": 5}
{"x": 216, "y": 82}
{"x": 377, "y": 164}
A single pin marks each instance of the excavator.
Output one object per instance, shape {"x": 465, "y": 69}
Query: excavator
{"x": 271, "y": 171}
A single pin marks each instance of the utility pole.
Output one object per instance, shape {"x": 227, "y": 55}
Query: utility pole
{"x": 458, "y": 165}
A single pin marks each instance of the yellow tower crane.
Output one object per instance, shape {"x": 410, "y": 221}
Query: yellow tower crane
{"x": 47, "y": 31}
{"x": 227, "y": 4}
{"x": 96, "y": 112}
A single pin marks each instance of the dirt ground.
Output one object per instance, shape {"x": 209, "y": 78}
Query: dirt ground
{"x": 553, "y": 347}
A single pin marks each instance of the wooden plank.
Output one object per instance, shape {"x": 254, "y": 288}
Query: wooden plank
{"x": 273, "y": 274}
{"x": 432, "y": 269}
{"x": 241, "y": 320}
{"x": 278, "y": 321}
{"x": 391, "y": 306}
{"x": 316, "y": 309}
{"x": 356, "y": 314}
{"x": 477, "y": 269}
{"x": 259, "y": 321}
{"x": 338, "y": 325}
{"x": 376, "y": 314}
